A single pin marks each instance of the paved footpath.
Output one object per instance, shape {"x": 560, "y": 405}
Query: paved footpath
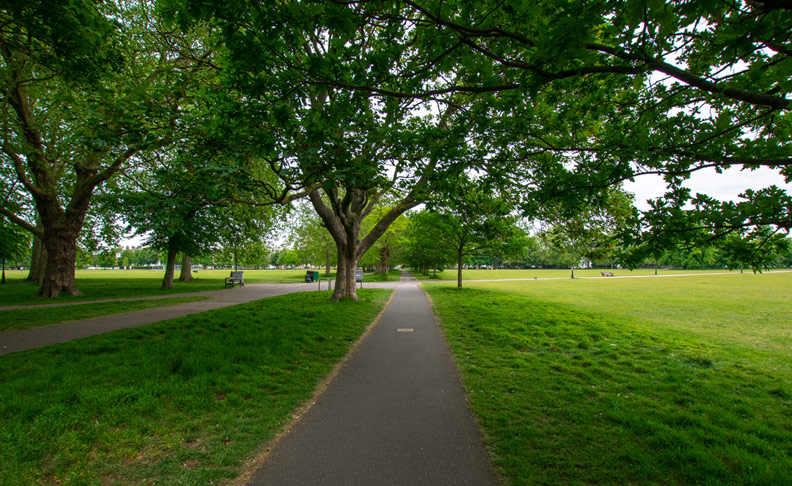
{"x": 42, "y": 336}
{"x": 394, "y": 415}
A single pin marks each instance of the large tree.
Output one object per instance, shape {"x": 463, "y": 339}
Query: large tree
{"x": 607, "y": 91}
{"x": 350, "y": 152}
{"x": 85, "y": 88}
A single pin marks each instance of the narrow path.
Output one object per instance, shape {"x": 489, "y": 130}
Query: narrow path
{"x": 395, "y": 414}
{"x": 37, "y": 337}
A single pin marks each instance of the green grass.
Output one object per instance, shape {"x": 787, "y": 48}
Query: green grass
{"x": 682, "y": 380}
{"x": 451, "y": 274}
{"x": 391, "y": 276}
{"x": 184, "y": 401}
{"x": 114, "y": 284}
{"x": 14, "y": 320}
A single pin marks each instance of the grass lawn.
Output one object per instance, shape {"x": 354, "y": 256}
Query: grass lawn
{"x": 114, "y": 284}
{"x": 451, "y": 274}
{"x": 628, "y": 381}
{"x": 184, "y": 401}
{"x": 391, "y": 276}
{"x": 14, "y": 320}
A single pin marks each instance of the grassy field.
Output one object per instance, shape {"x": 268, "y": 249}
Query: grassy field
{"x": 185, "y": 401}
{"x": 684, "y": 380}
{"x": 114, "y": 284}
{"x": 16, "y": 319}
{"x": 451, "y": 274}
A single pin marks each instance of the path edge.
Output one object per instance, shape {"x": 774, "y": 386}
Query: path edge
{"x": 498, "y": 479}
{"x": 253, "y": 464}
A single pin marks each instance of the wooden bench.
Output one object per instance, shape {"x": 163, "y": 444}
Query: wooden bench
{"x": 607, "y": 274}
{"x": 236, "y": 278}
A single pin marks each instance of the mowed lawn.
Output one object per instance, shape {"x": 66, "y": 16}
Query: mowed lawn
{"x": 186, "y": 401}
{"x": 679, "y": 380}
{"x": 116, "y": 284}
{"x": 555, "y": 273}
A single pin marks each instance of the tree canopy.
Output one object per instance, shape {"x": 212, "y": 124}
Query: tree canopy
{"x": 358, "y": 105}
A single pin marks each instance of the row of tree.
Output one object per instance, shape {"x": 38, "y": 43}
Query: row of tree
{"x": 187, "y": 120}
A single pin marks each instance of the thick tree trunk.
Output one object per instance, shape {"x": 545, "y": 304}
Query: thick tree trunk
{"x": 186, "y": 269}
{"x": 434, "y": 270}
{"x": 170, "y": 266}
{"x": 38, "y": 262}
{"x": 345, "y": 275}
{"x": 61, "y": 248}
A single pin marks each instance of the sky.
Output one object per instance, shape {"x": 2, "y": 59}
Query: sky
{"x": 726, "y": 186}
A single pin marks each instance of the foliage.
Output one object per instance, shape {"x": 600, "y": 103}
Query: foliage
{"x": 14, "y": 243}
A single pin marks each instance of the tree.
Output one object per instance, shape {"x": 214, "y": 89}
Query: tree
{"x": 13, "y": 243}
{"x": 594, "y": 93}
{"x": 346, "y": 151}
{"x": 85, "y": 88}
{"x": 476, "y": 218}
{"x": 311, "y": 239}
{"x": 388, "y": 246}
{"x": 424, "y": 230}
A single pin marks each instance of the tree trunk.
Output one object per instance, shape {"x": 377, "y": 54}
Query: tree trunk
{"x": 345, "y": 275}
{"x": 186, "y": 269}
{"x": 3, "y": 270}
{"x": 38, "y": 262}
{"x": 170, "y": 266}
{"x": 343, "y": 219}
{"x": 327, "y": 260}
{"x": 459, "y": 268}
{"x": 434, "y": 271}
{"x": 61, "y": 248}
{"x": 384, "y": 261}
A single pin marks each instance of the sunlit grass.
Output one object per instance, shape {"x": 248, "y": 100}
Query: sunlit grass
{"x": 451, "y": 274}
{"x": 682, "y": 380}
{"x": 184, "y": 401}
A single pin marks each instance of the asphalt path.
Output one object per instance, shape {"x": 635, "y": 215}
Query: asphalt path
{"x": 11, "y": 342}
{"x": 395, "y": 414}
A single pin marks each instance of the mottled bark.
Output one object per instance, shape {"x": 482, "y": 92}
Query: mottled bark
{"x": 186, "y": 269}
{"x": 38, "y": 262}
{"x": 170, "y": 266}
{"x": 61, "y": 247}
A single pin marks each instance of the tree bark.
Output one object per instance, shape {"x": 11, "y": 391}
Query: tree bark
{"x": 170, "y": 266}
{"x": 384, "y": 261}
{"x": 345, "y": 276}
{"x": 61, "y": 247}
{"x": 327, "y": 260}
{"x": 186, "y": 269}
{"x": 38, "y": 262}
{"x": 459, "y": 266}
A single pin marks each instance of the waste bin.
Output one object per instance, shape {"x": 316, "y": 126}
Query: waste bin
{"x": 311, "y": 276}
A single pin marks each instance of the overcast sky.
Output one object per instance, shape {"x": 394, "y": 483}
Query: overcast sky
{"x": 725, "y": 187}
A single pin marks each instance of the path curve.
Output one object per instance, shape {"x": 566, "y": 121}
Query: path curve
{"x": 37, "y": 337}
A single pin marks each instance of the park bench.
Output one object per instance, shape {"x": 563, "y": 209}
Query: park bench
{"x": 235, "y": 279}
{"x": 607, "y": 274}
